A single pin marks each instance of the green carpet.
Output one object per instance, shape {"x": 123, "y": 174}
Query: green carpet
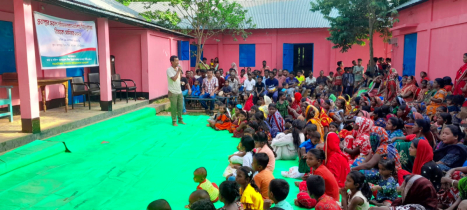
{"x": 122, "y": 163}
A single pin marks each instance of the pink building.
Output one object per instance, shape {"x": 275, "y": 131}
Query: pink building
{"x": 429, "y": 37}
{"x": 141, "y": 51}
{"x": 287, "y": 36}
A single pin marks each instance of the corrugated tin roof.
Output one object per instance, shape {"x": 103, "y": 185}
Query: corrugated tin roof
{"x": 110, "y": 9}
{"x": 266, "y": 13}
{"x": 408, "y": 4}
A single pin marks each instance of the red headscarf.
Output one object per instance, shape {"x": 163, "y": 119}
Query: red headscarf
{"x": 297, "y": 99}
{"x": 248, "y": 103}
{"x": 424, "y": 155}
{"x": 406, "y": 112}
{"x": 336, "y": 161}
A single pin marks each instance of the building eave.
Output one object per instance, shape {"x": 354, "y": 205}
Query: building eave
{"x": 99, "y": 12}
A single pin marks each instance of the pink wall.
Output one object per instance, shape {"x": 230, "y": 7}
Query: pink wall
{"x": 161, "y": 47}
{"x": 126, "y": 43}
{"x": 440, "y": 27}
{"x": 269, "y": 47}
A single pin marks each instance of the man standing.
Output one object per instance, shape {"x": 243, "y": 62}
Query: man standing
{"x": 209, "y": 89}
{"x": 271, "y": 87}
{"x": 174, "y": 73}
{"x": 265, "y": 67}
{"x": 358, "y": 74}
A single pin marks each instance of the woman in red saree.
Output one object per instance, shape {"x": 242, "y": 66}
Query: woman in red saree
{"x": 336, "y": 161}
{"x": 410, "y": 91}
{"x": 461, "y": 77}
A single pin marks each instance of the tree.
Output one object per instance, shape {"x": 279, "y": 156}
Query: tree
{"x": 357, "y": 21}
{"x": 202, "y": 19}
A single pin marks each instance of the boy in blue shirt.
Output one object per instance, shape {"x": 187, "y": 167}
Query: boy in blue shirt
{"x": 278, "y": 191}
{"x": 314, "y": 138}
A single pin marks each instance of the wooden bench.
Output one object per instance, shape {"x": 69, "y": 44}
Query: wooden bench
{"x": 7, "y": 101}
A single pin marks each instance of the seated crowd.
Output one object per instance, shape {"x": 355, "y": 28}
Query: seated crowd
{"x": 358, "y": 138}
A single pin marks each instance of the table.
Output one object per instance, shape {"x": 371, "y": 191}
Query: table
{"x": 12, "y": 80}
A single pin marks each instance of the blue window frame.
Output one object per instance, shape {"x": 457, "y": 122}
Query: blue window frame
{"x": 7, "y": 48}
{"x": 247, "y": 55}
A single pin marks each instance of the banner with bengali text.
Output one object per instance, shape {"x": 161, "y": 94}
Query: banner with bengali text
{"x": 65, "y": 43}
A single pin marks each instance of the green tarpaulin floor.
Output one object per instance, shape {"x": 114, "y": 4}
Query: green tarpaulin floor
{"x": 122, "y": 163}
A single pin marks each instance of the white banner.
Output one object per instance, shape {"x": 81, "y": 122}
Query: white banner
{"x": 66, "y": 43}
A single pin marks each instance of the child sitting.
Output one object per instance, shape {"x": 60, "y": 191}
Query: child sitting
{"x": 275, "y": 120}
{"x": 317, "y": 188}
{"x": 384, "y": 183}
{"x": 231, "y": 108}
{"x": 237, "y": 157}
{"x": 357, "y": 198}
{"x": 229, "y": 194}
{"x": 239, "y": 125}
{"x": 222, "y": 121}
{"x": 195, "y": 89}
{"x": 227, "y": 89}
{"x": 313, "y": 140}
{"x": 262, "y": 146}
{"x": 314, "y": 160}
{"x": 160, "y": 204}
{"x": 250, "y": 195}
{"x": 196, "y": 196}
{"x": 200, "y": 175}
{"x": 263, "y": 177}
{"x": 278, "y": 191}
{"x": 244, "y": 157}
{"x": 334, "y": 127}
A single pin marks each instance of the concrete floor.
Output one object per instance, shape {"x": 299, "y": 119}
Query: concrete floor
{"x": 56, "y": 121}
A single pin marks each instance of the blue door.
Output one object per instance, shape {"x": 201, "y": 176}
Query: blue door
{"x": 287, "y": 60}
{"x": 7, "y": 48}
{"x": 74, "y": 72}
{"x": 410, "y": 53}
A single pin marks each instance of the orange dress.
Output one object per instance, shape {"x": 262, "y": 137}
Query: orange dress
{"x": 225, "y": 125}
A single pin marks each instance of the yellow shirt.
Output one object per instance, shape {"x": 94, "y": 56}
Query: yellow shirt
{"x": 300, "y": 79}
{"x": 252, "y": 199}
{"x": 211, "y": 188}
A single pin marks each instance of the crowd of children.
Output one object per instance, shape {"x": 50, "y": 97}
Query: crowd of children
{"x": 359, "y": 138}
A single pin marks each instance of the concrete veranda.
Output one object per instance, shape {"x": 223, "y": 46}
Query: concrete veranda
{"x": 55, "y": 121}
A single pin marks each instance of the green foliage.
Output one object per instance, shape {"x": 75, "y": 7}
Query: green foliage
{"x": 202, "y": 19}
{"x": 125, "y": 2}
{"x": 357, "y": 20}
